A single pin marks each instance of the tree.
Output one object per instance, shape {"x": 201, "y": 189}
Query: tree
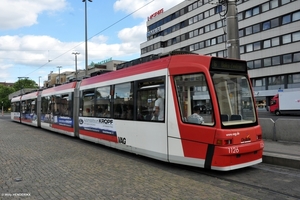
{"x": 25, "y": 83}
{"x": 4, "y": 92}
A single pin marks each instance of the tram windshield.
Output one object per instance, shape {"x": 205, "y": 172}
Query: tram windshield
{"x": 235, "y": 99}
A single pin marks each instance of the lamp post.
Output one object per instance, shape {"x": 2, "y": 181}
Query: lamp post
{"x": 86, "y": 46}
{"x": 59, "y": 73}
{"x": 76, "y": 53}
{"x": 40, "y": 82}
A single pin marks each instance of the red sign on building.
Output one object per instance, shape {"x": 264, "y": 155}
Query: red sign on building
{"x": 155, "y": 14}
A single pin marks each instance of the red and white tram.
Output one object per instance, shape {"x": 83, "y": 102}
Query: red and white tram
{"x": 123, "y": 110}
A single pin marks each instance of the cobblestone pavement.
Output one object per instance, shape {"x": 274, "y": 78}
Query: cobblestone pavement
{"x": 38, "y": 164}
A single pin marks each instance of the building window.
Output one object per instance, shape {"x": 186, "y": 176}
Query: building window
{"x": 212, "y": 12}
{"x": 242, "y": 49}
{"x": 256, "y": 46}
{"x": 255, "y": 11}
{"x": 265, "y": 7}
{"x": 274, "y": 4}
{"x": 285, "y": 2}
{"x": 256, "y": 28}
{"x": 206, "y": 28}
{"x": 219, "y": 24}
{"x": 220, "y": 39}
{"x": 275, "y": 60}
{"x": 266, "y": 25}
{"x": 249, "y": 47}
{"x": 296, "y": 16}
{"x": 220, "y": 54}
{"x": 195, "y": 18}
{"x": 248, "y": 30}
{"x": 212, "y": 26}
{"x": 250, "y": 64}
{"x": 201, "y": 31}
{"x": 240, "y": 16}
{"x": 287, "y": 58}
{"x": 200, "y": 16}
{"x": 248, "y": 13}
{"x": 196, "y": 46}
{"x": 196, "y": 32}
{"x": 207, "y": 43}
{"x": 241, "y": 33}
{"x": 195, "y": 5}
{"x": 257, "y": 63}
{"x": 267, "y": 44}
{"x": 275, "y": 41}
{"x": 192, "y": 47}
{"x": 267, "y": 62}
{"x": 296, "y": 36}
{"x": 296, "y": 57}
{"x": 286, "y": 19}
{"x": 201, "y": 45}
{"x": 274, "y": 22}
{"x": 206, "y": 14}
{"x": 213, "y": 41}
{"x": 286, "y": 39}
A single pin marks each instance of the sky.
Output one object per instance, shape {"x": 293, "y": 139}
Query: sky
{"x": 36, "y": 36}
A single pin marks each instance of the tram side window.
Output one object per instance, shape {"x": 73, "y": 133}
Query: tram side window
{"x": 65, "y": 106}
{"x": 15, "y": 107}
{"x": 102, "y": 107}
{"x": 88, "y": 99}
{"x": 46, "y": 105}
{"x": 123, "y": 101}
{"x": 151, "y": 99}
{"x": 46, "y": 110}
{"x": 194, "y": 99}
{"x": 26, "y": 107}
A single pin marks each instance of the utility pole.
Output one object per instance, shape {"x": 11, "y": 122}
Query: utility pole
{"x": 76, "y": 53}
{"x": 59, "y": 73}
{"x": 40, "y": 82}
{"x": 233, "y": 43}
{"x": 86, "y": 40}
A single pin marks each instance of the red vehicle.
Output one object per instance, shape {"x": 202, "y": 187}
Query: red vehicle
{"x": 286, "y": 103}
{"x": 145, "y": 107}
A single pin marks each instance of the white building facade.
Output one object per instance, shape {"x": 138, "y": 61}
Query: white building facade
{"x": 269, "y": 37}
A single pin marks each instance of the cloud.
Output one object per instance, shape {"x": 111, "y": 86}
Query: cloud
{"x": 129, "y": 6}
{"x": 22, "y": 13}
{"x": 134, "y": 34}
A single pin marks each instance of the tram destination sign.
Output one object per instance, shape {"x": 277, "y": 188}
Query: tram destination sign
{"x": 228, "y": 65}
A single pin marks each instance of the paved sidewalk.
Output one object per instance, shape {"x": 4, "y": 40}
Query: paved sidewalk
{"x": 282, "y": 153}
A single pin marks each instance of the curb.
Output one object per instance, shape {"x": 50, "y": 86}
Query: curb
{"x": 281, "y": 159}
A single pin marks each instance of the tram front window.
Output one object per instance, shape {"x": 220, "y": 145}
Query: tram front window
{"x": 194, "y": 99}
{"x": 235, "y": 99}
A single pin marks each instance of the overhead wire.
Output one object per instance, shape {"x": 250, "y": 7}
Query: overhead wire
{"x": 118, "y": 21}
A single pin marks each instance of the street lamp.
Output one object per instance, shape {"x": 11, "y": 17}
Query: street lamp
{"x": 86, "y": 48}
{"x": 76, "y": 53}
{"x": 59, "y": 73}
{"x": 40, "y": 82}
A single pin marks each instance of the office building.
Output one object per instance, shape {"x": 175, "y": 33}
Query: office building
{"x": 269, "y": 38}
